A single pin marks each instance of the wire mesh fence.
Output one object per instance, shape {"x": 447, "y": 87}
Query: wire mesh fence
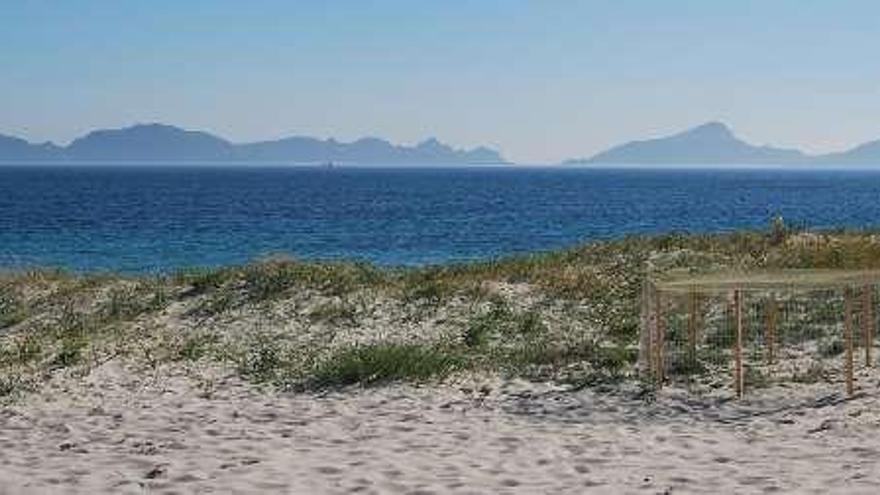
{"x": 742, "y": 332}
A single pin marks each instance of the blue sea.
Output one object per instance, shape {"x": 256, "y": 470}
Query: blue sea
{"x": 153, "y": 219}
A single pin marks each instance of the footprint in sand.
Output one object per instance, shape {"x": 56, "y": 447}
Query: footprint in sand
{"x": 328, "y": 470}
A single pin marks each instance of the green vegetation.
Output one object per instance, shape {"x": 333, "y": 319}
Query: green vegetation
{"x": 272, "y": 278}
{"x": 569, "y": 315}
{"x": 812, "y": 374}
{"x": 195, "y": 347}
{"x": 340, "y": 313}
{"x": 9, "y": 385}
{"x": 379, "y": 363}
{"x": 261, "y": 360}
{"x": 831, "y": 348}
{"x": 11, "y": 310}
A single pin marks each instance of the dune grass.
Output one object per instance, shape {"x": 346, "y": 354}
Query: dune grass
{"x": 577, "y": 320}
{"x": 381, "y": 363}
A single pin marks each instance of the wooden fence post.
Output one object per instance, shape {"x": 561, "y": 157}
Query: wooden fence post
{"x": 737, "y": 353}
{"x": 771, "y": 328}
{"x": 868, "y": 321}
{"x": 645, "y": 332}
{"x": 652, "y": 332}
{"x": 661, "y": 337}
{"x": 692, "y": 328}
{"x": 848, "y": 337}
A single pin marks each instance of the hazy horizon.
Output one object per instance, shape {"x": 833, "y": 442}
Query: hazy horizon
{"x": 540, "y": 83}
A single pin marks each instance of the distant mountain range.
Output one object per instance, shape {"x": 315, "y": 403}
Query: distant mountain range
{"x": 714, "y": 143}
{"x": 165, "y": 143}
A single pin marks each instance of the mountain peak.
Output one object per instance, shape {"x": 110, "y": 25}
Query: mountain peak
{"x": 711, "y": 129}
{"x": 432, "y": 144}
{"x": 141, "y": 127}
{"x": 706, "y": 144}
{"x": 158, "y": 127}
{"x": 149, "y": 142}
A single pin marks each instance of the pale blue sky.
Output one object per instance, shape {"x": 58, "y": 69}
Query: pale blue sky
{"x": 541, "y": 80}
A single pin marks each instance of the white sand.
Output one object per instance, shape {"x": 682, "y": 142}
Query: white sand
{"x": 117, "y": 432}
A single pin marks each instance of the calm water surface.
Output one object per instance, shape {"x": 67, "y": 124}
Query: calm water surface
{"x": 160, "y": 218}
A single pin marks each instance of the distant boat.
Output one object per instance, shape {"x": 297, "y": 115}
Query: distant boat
{"x": 328, "y": 165}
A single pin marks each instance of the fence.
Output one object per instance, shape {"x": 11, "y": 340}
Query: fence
{"x": 741, "y": 330}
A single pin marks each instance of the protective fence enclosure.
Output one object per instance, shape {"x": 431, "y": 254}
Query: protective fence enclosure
{"x": 741, "y": 330}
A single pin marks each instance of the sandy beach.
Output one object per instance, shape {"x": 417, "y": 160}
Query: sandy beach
{"x": 200, "y": 431}
{"x": 517, "y": 377}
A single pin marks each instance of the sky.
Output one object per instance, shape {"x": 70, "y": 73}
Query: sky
{"x": 540, "y": 80}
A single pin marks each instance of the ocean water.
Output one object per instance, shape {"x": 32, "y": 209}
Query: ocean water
{"x": 148, "y": 219}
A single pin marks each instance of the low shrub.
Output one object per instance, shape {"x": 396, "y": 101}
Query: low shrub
{"x": 379, "y": 363}
{"x": 261, "y": 360}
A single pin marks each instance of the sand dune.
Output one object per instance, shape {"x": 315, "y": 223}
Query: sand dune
{"x": 160, "y": 393}
{"x": 203, "y": 431}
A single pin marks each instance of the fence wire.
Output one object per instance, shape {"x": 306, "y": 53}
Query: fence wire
{"x": 787, "y": 335}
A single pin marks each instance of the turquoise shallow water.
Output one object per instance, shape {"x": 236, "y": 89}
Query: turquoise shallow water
{"x": 143, "y": 219}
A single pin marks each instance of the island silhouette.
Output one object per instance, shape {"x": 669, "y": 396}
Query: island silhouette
{"x": 166, "y": 143}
